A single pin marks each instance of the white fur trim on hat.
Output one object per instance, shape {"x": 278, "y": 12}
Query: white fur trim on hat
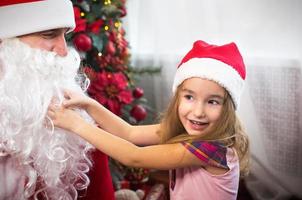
{"x": 213, "y": 70}
{"x": 25, "y": 18}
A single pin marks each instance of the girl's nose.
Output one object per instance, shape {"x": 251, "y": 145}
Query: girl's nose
{"x": 199, "y": 110}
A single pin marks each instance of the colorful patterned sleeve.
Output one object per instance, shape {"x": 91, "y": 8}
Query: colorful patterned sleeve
{"x": 212, "y": 153}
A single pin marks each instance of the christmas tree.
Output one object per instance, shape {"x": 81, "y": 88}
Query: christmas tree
{"x": 100, "y": 38}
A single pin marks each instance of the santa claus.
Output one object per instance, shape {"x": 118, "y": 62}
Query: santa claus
{"x": 38, "y": 161}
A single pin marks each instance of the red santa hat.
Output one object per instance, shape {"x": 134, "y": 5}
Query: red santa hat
{"x": 21, "y": 17}
{"x": 222, "y": 64}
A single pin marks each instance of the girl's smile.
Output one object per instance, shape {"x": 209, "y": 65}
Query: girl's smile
{"x": 198, "y": 125}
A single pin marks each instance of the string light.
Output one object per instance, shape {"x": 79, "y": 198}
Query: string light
{"x": 117, "y": 24}
{"x": 106, "y": 28}
{"x": 82, "y": 14}
{"x": 107, "y": 2}
{"x": 100, "y": 54}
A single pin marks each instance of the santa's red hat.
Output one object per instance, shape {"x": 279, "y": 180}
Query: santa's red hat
{"x": 222, "y": 64}
{"x": 21, "y": 17}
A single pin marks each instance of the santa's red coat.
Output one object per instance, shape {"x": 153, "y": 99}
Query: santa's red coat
{"x": 101, "y": 187}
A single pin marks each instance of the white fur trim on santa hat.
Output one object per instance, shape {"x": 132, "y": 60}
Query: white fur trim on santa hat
{"x": 25, "y": 18}
{"x": 214, "y": 70}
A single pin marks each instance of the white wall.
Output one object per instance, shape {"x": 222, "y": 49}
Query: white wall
{"x": 163, "y": 31}
{"x": 265, "y": 28}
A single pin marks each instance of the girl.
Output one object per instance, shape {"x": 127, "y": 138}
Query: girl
{"x": 199, "y": 139}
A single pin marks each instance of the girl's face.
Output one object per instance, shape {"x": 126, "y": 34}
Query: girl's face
{"x": 200, "y": 105}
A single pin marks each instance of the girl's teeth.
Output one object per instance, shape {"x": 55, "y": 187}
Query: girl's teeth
{"x": 195, "y": 122}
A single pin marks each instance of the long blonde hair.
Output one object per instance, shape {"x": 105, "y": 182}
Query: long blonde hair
{"x": 228, "y": 130}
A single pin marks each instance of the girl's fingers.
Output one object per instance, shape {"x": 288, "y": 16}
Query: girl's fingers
{"x": 54, "y": 100}
{"x": 50, "y": 113}
{"x": 67, "y": 103}
{"x": 67, "y": 94}
{"x": 50, "y": 107}
{"x": 53, "y": 107}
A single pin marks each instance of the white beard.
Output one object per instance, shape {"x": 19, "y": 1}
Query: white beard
{"x": 51, "y": 162}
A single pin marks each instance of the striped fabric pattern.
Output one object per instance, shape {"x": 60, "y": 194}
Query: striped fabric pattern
{"x": 212, "y": 153}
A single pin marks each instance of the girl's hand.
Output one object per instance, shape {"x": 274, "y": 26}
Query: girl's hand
{"x": 65, "y": 118}
{"x": 73, "y": 99}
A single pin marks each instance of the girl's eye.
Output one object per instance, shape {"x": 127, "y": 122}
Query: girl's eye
{"x": 188, "y": 97}
{"x": 214, "y": 102}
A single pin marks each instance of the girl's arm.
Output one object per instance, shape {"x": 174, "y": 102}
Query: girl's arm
{"x": 167, "y": 156}
{"x": 140, "y": 135}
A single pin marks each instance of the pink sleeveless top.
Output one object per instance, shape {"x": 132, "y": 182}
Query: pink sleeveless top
{"x": 195, "y": 183}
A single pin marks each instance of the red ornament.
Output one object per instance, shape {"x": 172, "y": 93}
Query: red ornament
{"x": 138, "y": 112}
{"x": 110, "y": 49}
{"x": 123, "y": 11}
{"x": 82, "y": 42}
{"x": 138, "y": 92}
